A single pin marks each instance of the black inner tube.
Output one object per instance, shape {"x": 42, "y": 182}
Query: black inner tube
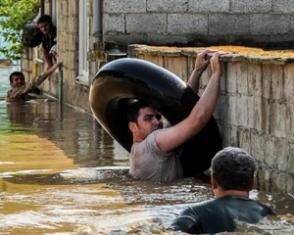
{"x": 121, "y": 82}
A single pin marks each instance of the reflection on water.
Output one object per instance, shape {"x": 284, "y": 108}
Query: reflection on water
{"x": 61, "y": 173}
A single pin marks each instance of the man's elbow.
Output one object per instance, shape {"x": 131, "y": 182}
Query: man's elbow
{"x": 200, "y": 121}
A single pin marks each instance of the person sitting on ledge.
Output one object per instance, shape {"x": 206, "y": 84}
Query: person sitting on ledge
{"x": 232, "y": 177}
{"x": 22, "y": 91}
{"x": 155, "y": 153}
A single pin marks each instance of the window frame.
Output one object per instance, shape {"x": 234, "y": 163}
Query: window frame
{"x": 83, "y": 43}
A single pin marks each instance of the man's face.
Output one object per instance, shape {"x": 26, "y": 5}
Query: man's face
{"x": 45, "y": 27}
{"x": 148, "y": 121}
{"x": 17, "y": 81}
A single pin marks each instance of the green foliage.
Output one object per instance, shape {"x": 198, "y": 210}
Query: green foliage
{"x": 16, "y": 14}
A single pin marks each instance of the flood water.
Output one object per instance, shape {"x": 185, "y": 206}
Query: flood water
{"x": 62, "y": 174}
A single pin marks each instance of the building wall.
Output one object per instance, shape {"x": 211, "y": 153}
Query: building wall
{"x": 197, "y": 22}
{"x": 158, "y": 22}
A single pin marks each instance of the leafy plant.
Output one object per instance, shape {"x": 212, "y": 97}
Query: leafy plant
{"x": 14, "y": 15}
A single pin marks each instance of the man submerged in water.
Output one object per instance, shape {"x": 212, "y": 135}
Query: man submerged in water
{"x": 22, "y": 91}
{"x": 232, "y": 177}
{"x": 153, "y": 154}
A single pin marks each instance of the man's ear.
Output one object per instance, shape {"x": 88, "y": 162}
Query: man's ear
{"x": 214, "y": 184}
{"x": 253, "y": 183}
{"x": 132, "y": 126}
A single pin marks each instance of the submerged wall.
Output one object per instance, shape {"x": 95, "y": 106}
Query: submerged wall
{"x": 255, "y": 109}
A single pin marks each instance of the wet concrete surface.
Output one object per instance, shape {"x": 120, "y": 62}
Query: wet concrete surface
{"x": 62, "y": 174}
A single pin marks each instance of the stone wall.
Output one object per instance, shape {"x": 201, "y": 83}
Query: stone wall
{"x": 255, "y": 110}
{"x": 197, "y": 22}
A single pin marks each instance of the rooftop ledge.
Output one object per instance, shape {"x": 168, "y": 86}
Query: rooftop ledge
{"x": 236, "y": 53}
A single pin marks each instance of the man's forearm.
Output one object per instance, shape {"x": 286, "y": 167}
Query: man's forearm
{"x": 207, "y": 102}
{"x": 47, "y": 58}
{"x": 194, "y": 79}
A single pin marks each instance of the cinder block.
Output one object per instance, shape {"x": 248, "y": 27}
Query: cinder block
{"x": 283, "y": 6}
{"x": 63, "y": 8}
{"x": 177, "y": 65}
{"x": 241, "y": 74}
{"x": 229, "y": 135}
{"x": 290, "y": 159}
{"x": 255, "y": 79}
{"x": 249, "y": 6}
{"x": 72, "y": 25}
{"x": 282, "y": 153}
{"x": 232, "y": 71}
{"x": 290, "y": 121}
{"x": 269, "y": 24}
{"x": 146, "y": 23}
{"x": 124, "y": 6}
{"x": 242, "y": 110}
{"x": 257, "y": 146}
{"x": 73, "y": 8}
{"x": 114, "y": 23}
{"x": 270, "y": 152}
{"x": 207, "y": 6}
{"x": 244, "y": 138}
{"x": 196, "y": 24}
{"x": 228, "y": 24}
{"x": 232, "y": 109}
{"x": 278, "y": 181}
{"x": 289, "y": 83}
{"x": 258, "y": 116}
{"x": 250, "y": 111}
{"x": 266, "y": 80}
{"x": 170, "y": 6}
{"x": 277, "y": 82}
{"x": 278, "y": 121}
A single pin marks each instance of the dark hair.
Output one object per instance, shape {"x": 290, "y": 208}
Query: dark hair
{"x": 15, "y": 73}
{"x": 133, "y": 110}
{"x": 233, "y": 169}
{"x": 44, "y": 18}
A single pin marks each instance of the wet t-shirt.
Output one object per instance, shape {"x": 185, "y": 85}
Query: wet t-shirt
{"x": 22, "y": 93}
{"x": 219, "y": 215}
{"x": 148, "y": 162}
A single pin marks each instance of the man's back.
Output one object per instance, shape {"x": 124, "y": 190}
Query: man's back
{"x": 219, "y": 215}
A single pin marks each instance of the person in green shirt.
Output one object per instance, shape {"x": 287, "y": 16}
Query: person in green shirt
{"x": 232, "y": 177}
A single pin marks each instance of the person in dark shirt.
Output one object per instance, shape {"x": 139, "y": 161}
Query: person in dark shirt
{"x": 232, "y": 177}
{"x": 46, "y": 36}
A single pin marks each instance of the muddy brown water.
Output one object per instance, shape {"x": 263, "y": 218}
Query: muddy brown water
{"x": 61, "y": 174}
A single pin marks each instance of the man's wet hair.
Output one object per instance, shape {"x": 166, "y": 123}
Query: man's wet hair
{"x": 133, "y": 110}
{"x": 16, "y": 73}
{"x": 44, "y": 19}
{"x": 233, "y": 169}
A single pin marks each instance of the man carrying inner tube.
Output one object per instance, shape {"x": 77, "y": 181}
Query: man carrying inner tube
{"x": 154, "y": 154}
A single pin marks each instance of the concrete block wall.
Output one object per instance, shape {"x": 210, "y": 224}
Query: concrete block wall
{"x": 198, "y": 22}
{"x": 255, "y": 110}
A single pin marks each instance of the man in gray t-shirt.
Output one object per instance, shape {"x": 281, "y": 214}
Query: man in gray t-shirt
{"x": 148, "y": 162}
{"x": 154, "y": 154}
